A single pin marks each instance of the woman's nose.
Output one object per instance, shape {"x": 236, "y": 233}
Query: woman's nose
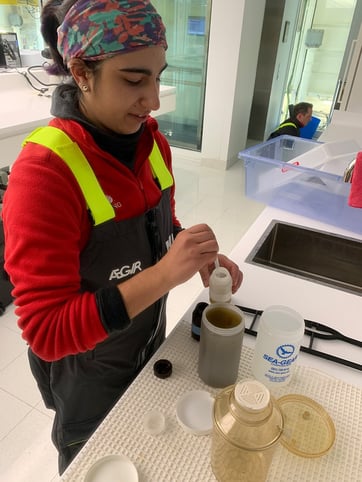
{"x": 151, "y": 96}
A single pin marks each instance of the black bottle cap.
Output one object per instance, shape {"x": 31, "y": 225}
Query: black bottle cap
{"x": 198, "y": 310}
{"x": 162, "y": 368}
{"x": 196, "y": 320}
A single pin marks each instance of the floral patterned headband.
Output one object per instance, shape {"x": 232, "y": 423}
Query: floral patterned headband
{"x": 98, "y": 29}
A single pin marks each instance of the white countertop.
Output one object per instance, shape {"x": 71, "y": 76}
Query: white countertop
{"x": 22, "y": 111}
{"x": 336, "y": 308}
{"x": 178, "y": 455}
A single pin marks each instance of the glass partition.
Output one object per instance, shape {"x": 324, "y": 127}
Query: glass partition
{"x": 317, "y": 56}
{"x": 22, "y": 17}
{"x": 187, "y": 23}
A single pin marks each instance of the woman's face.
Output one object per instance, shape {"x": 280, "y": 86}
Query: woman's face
{"x": 125, "y": 90}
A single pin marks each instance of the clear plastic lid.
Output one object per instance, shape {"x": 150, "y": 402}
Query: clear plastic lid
{"x": 154, "y": 422}
{"x": 308, "y": 429}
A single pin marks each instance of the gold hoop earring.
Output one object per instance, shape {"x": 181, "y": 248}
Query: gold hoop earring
{"x": 84, "y": 88}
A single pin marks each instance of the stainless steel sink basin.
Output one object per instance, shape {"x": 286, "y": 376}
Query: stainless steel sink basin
{"x": 315, "y": 255}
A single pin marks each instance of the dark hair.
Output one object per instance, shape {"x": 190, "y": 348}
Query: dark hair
{"x": 52, "y": 16}
{"x": 302, "y": 108}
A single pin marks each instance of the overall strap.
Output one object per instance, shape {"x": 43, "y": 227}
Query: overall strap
{"x": 69, "y": 151}
{"x": 159, "y": 168}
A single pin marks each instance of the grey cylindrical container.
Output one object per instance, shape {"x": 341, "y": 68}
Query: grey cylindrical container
{"x": 222, "y": 331}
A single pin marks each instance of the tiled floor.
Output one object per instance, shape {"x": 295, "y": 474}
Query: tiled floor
{"x": 204, "y": 194}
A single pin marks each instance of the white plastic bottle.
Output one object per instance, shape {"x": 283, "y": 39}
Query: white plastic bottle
{"x": 277, "y": 345}
{"x": 220, "y": 284}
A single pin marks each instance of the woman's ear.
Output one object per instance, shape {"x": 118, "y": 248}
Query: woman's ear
{"x": 80, "y": 73}
{"x": 300, "y": 117}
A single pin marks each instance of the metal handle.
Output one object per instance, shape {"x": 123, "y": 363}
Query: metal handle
{"x": 346, "y": 71}
{"x": 347, "y": 175}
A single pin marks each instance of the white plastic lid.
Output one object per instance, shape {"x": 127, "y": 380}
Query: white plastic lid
{"x": 280, "y": 320}
{"x": 112, "y": 468}
{"x": 194, "y": 412}
{"x": 252, "y": 395}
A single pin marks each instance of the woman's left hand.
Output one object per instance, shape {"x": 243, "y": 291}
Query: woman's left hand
{"x": 233, "y": 268}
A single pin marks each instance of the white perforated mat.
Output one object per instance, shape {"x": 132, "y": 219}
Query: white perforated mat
{"x": 176, "y": 455}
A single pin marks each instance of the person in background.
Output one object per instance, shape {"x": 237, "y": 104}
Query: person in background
{"x": 302, "y": 114}
{"x": 90, "y": 293}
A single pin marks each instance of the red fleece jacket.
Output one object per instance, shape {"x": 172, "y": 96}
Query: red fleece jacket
{"x": 46, "y": 227}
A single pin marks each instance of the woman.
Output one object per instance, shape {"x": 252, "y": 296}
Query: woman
{"x": 90, "y": 280}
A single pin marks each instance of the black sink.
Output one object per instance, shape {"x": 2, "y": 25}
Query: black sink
{"x": 315, "y": 255}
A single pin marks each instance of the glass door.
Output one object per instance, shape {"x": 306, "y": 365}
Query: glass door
{"x": 187, "y": 24}
{"x": 319, "y": 47}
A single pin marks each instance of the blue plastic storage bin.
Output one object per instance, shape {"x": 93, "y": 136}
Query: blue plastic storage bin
{"x": 275, "y": 174}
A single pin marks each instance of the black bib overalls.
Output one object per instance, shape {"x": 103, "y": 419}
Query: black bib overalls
{"x": 83, "y": 388}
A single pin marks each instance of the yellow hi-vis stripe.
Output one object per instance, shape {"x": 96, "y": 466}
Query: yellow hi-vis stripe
{"x": 57, "y": 141}
{"x": 287, "y": 124}
{"x": 159, "y": 168}
{"x": 101, "y": 209}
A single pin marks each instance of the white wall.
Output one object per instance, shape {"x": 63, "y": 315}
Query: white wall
{"x": 235, "y": 34}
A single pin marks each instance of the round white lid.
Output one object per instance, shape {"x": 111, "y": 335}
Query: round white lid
{"x": 194, "y": 412}
{"x": 112, "y": 468}
{"x": 252, "y": 395}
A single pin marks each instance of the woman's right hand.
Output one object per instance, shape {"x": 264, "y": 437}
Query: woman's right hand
{"x": 192, "y": 249}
